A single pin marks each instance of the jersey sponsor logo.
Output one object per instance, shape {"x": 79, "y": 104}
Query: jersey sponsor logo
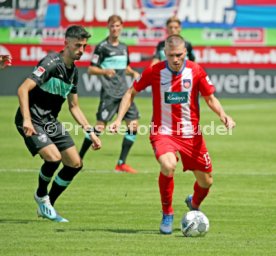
{"x": 95, "y": 58}
{"x": 187, "y": 83}
{"x": 39, "y": 71}
{"x": 176, "y": 97}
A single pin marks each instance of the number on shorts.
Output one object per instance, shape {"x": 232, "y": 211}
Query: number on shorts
{"x": 207, "y": 159}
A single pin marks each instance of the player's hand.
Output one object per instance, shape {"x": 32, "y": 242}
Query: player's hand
{"x": 5, "y": 60}
{"x": 136, "y": 75}
{"x": 228, "y": 121}
{"x": 114, "y": 127}
{"x": 96, "y": 142}
{"x": 110, "y": 72}
{"x": 28, "y": 128}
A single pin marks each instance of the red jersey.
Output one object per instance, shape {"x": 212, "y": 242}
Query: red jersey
{"x": 175, "y": 97}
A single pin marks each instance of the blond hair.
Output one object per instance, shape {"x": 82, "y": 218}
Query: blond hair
{"x": 114, "y": 18}
{"x": 173, "y": 19}
{"x": 174, "y": 40}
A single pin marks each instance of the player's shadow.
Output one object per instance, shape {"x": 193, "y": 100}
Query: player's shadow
{"x": 117, "y": 231}
{"x": 14, "y": 221}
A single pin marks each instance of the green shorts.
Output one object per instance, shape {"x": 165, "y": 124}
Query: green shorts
{"x": 47, "y": 134}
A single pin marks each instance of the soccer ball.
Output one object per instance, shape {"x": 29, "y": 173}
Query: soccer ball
{"x": 194, "y": 223}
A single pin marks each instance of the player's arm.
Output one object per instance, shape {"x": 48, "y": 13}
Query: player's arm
{"x": 131, "y": 72}
{"x": 80, "y": 118}
{"x": 216, "y": 106}
{"x": 124, "y": 106}
{"x": 95, "y": 65}
{"x": 23, "y": 97}
{"x": 5, "y": 60}
{"x": 95, "y": 70}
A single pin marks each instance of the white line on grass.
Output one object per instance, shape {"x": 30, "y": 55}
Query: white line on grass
{"x": 93, "y": 171}
{"x": 246, "y": 106}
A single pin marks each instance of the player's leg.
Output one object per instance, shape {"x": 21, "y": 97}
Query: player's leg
{"x": 42, "y": 144}
{"x": 204, "y": 181}
{"x": 127, "y": 143}
{"x": 164, "y": 150}
{"x": 167, "y": 163}
{"x": 72, "y": 164}
{"x": 131, "y": 119}
{"x": 195, "y": 157}
{"x": 106, "y": 111}
{"x": 52, "y": 158}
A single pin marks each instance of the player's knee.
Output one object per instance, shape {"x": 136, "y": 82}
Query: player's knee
{"x": 208, "y": 181}
{"x": 77, "y": 164}
{"x": 51, "y": 157}
{"x": 168, "y": 168}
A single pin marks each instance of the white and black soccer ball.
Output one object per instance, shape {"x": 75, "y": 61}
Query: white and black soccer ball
{"x": 194, "y": 224}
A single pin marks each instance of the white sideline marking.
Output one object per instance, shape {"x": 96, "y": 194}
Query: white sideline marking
{"x": 245, "y": 106}
{"x": 92, "y": 171}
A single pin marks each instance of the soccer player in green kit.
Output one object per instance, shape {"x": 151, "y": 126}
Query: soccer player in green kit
{"x": 41, "y": 96}
{"x": 110, "y": 62}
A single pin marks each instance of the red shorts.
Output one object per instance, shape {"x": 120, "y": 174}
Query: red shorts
{"x": 193, "y": 151}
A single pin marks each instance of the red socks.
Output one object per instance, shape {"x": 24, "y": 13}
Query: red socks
{"x": 199, "y": 195}
{"x": 166, "y": 187}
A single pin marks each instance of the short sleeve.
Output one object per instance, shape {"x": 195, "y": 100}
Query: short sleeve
{"x": 206, "y": 87}
{"x": 144, "y": 80}
{"x": 97, "y": 56}
{"x": 75, "y": 82}
{"x": 43, "y": 71}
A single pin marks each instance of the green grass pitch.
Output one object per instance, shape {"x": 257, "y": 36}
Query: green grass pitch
{"x": 119, "y": 214}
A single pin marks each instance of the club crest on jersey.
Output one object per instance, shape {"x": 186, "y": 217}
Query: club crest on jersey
{"x": 187, "y": 83}
{"x": 39, "y": 71}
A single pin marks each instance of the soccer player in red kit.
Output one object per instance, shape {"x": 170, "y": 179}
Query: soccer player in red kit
{"x": 176, "y": 84}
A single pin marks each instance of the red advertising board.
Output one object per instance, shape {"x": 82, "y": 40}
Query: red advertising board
{"x": 140, "y": 56}
{"x": 29, "y": 55}
{"x": 236, "y": 57}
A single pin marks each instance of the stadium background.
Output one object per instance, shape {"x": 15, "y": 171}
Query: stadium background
{"x": 117, "y": 214}
{"x": 234, "y": 40}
